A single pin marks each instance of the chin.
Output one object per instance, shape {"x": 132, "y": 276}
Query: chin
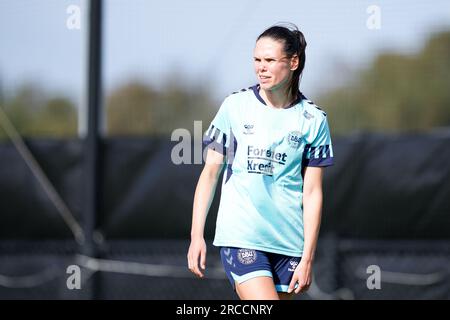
{"x": 265, "y": 86}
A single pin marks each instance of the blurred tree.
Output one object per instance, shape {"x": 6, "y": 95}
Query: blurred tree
{"x": 128, "y": 109}
{"x": 58, "y": 118}
{"x": 137, "y": 109}
{"x": 396, "y": 93}
{"x": 133, "y": 109}
{"x": 34, "y": 114}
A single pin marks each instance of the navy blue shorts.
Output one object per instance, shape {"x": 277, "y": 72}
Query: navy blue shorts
{"x": 244, "y": 264}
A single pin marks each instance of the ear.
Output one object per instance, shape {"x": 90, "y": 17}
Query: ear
{"x": 294, "y": 62}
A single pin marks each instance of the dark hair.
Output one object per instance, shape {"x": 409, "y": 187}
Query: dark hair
{"x": 294, "y": 44}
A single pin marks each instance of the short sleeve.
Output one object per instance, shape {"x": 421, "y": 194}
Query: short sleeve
{"x": 217, "y": 137}
{"x": 320, "y": 152}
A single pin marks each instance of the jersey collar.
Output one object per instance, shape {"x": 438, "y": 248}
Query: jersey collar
{"x": 256, "y": 88}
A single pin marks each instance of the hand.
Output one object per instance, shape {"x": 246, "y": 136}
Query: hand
{"x": 197, "y": 250}
{"x": 302, "y": 276}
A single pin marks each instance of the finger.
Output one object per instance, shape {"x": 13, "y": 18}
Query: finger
{"x": 191, "y": 265}
{"x": 203, "y": 260}
{"x": 300, "y": 287}
{"x": 196, "y": 268}
{"x": 189, "y": 261}
{"x": 292, "y": 284}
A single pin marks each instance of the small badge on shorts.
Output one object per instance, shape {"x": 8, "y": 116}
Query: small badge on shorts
{"x": 246, "y": 256}
{"x": 292, "y": 265}
{"x": 294, "y": 139}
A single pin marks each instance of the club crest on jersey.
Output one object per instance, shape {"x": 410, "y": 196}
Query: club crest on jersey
{"x": 294, "y": 139}
{"x": 246, "y": 256}
{"x": 248, "y": 129}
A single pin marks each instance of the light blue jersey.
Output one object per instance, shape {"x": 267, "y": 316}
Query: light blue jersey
{"x": 267, "y": 149}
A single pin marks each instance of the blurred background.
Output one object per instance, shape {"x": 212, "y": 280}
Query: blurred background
{"x": 91, "y": 93}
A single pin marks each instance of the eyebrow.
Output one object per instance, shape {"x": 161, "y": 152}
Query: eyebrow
{"x": 273, "y": 58}
{"x": 266, "y": 58}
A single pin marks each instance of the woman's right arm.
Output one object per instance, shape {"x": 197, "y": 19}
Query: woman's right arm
{"x": 204, "y": 194}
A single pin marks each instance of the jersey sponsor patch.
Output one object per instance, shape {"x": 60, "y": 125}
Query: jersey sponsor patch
{"x": 260, "y": 160}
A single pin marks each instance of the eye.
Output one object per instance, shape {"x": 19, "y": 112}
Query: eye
{"x": 257, "y": 59}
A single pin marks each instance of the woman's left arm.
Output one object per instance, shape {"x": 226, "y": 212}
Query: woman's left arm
{"x": 312, "y": 212}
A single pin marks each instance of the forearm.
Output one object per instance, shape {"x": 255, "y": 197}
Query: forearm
{"x": 204, "y": 194}
{"x": 312, "y": 213}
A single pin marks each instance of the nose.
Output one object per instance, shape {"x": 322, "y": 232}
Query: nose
{"x": 262, "y": 66}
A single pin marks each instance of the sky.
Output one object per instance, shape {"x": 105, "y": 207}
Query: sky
{"x": 202, "y": 42}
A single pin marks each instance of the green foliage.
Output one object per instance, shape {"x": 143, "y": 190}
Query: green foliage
{"x": 32, "y": 113}
{"x": 132, "y": 109}
{"x": 136, "y": 109}
{"x": 397, "y": 93}
{"x": 57, "y": 118}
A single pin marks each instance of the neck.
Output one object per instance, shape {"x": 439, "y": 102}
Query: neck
{"x": 280, "y": 98}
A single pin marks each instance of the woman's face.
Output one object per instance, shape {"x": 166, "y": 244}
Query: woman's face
{"x": 273, "y": 68}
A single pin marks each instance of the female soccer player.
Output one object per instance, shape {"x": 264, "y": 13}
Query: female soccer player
{"x": 276, "y": 143}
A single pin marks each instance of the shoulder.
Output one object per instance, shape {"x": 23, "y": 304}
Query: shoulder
{"x": 241, "y": 92}
{"x": 237, "y": 98}
{"x": 313, "y": 111}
